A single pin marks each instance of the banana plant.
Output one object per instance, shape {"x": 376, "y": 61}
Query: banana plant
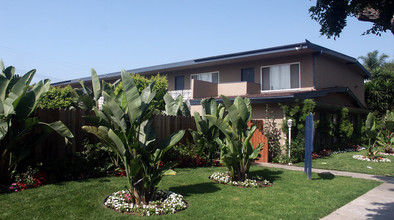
{"x": 237, "y": 151}
{"x": 125, "y": 126}
{"x": 207, "y": 132}
{"x": 371, "y": 132}
{"x": 176, "y": 107}
{"x": 19, "y": 130}
{"x": 89, "y": 98}
{"x": 385, "y": 138}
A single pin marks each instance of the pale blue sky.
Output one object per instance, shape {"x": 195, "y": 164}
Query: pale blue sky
{"x": 64, "y": 39}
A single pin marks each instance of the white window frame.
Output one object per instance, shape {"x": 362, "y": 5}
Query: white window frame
{"x": 275, "y": 90}
{"x": 194, "y": 74}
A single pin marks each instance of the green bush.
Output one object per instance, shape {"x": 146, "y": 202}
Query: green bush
{"x": 297, "y": 111}
{"x": 273, "y": 134}
{"x": 59, "y": 97}
{"x": 99, "y": 160}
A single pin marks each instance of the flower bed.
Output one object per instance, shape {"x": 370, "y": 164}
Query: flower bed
{"x": 376, "y": 159}
{"x": 325, "y": 153}
{"x": 167, "y": 202}
{"x": 386, "y": 154}
{"x": 255, "y": 182}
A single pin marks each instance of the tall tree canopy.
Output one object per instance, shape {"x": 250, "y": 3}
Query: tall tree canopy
{"x": 379, "y": 91}
{"x": 332, "y": 15}
{"x": 373, "y": 62}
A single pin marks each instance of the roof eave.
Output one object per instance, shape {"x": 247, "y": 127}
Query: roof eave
{"x": 347, "y": 58}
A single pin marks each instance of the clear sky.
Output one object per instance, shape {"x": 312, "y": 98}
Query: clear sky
{"x": 64, "y": 39}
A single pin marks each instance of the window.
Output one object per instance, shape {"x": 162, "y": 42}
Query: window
{"x": 179, "y": 82}
{"x": 247, "y": 75}
{"x": 208, "y": 77}
{"x": 279, "y": 77}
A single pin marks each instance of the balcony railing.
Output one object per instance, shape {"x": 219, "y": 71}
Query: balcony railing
{"x": 186, "y": 93}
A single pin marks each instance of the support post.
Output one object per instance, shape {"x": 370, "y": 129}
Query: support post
{"x": 289, "y": 124}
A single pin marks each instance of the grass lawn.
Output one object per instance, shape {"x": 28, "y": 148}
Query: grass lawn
{"x": 291, "y": 197}
{"x": 345, "y": 162}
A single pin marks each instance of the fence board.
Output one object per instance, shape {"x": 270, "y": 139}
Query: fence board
{"x": 259, "y": 138}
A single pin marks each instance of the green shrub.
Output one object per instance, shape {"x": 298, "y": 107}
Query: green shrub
{"x": 273, "y": 134}
{"x": 297, "y": 111}
{"x": 59, "y": 97}
{"x": 99, "y": 160}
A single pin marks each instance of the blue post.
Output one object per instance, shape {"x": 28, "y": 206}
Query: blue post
{"x": 309, "y": 134}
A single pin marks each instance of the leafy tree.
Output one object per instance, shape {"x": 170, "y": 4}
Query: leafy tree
{"x": 373, "y": 63}
{"x": 345, "y": 128}
{"x": 379, "y": 90}
{"x": 332, "y": 15}
{"x": 125, "y": 126}
{"x": 59, "y": 97}
{"x": 19, "y": 130}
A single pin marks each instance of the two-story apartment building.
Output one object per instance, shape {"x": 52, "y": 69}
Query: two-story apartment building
{"x": 267, "y": 77}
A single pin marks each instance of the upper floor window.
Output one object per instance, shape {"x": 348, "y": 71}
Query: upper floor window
{"x": 179, "y": 82}
{"x": 208, "y": 77}
{"x": 279, "y": 77}
{"x": 247, "y": 75}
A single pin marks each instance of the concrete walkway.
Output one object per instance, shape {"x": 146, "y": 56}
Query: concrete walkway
{"x": 378, "y": 203}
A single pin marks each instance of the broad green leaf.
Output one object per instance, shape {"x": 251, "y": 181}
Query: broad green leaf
{"x": 117, "y": 113}
{"x": 132, "y": 97}
{"x": 9, "y": 72}
{"x": 118, "y": 142}
{"x": 16, "y": 93}
{"x": 233, "y": 113}
{"x": 108, "y": 89}
{"x": 3, "y": 87}
{"x": 171, "y": 105}
{"x": 96, "y": 86}
{"x": 1, "y": 65}
{"x": 59, "y": 128}
{"x": 100, "y": 114}
{"x": 29, "y": 101}
{"x": 213, "y": 107}
{"x": 170, "y": 141}
{"x": 3, "y": 128}
{"x": 85, "y": 89}
{"x": 148, "y": 93}
{"x": 147, "y": 134}
{"x": 242, "y": 109}
{"x": 197, "y": 119}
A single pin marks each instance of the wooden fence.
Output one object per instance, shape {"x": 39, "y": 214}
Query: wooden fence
{"x": 54, "y": 147}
